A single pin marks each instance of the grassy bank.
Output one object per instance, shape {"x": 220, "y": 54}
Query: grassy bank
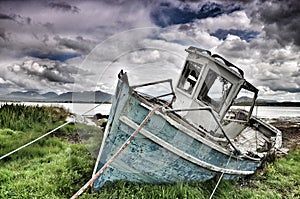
{"x": 58, "y": 165}
{"x": 53, "y": 167}
{"x": 280, "y": 179}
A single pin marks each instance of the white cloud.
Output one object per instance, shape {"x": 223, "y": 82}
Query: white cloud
{"x": 235, "y": 20}
{"x": 266, "y": 93}
{"x": 142, "y": 57}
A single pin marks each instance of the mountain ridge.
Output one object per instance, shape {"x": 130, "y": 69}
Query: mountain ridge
{"x": 34, "y": 96}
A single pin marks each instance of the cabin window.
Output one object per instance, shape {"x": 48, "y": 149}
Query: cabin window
{"x": 214, "y": 90}
{"x": 189, "y": 77}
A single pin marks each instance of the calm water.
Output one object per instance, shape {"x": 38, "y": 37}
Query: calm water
{"x": 261, "y": 111}
{"x": 273, "y": 112}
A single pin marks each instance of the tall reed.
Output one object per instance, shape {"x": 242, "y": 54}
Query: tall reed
{"x": 20, "y": 117}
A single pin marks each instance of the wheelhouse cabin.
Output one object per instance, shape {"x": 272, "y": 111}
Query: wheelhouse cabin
{"x": 210, "y": 81}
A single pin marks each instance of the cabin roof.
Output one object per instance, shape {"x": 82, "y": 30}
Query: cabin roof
{"x": 216, "y": 58}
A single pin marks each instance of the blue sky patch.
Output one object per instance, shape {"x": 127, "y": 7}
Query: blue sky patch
{"x": 167, "y": 14}
{"x": 57, "y": 57}
{"x": 247, "y": 35}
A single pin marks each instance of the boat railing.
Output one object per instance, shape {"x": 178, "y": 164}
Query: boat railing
{"x": 209, "y": 109}
{"x": 159, "y": 82}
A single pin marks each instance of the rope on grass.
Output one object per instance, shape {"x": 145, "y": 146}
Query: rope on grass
{"x": 35, "y": 140}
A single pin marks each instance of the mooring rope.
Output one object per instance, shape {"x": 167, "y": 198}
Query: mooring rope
{"x": 121, "y": 149}
{"x": 37, "y": 139}
{"x": 83, "y": 114}
{"x": 212, "y": 194}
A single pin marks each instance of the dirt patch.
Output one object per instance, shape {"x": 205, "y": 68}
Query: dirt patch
{"x": 290, "y": 128}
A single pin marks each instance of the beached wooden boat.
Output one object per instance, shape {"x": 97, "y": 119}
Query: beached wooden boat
{"x": 194, "y": 138}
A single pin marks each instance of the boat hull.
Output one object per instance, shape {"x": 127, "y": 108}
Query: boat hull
{"x": 164, "y": 151}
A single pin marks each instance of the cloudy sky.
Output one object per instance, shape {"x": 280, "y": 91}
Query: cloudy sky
{"x": 70, "y": 45}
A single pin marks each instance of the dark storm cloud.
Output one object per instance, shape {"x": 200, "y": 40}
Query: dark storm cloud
{"x": 296, "y": 74}
{"x": 46, "y": 29}
{"x": 78, "y": 44}
{"x": 5, "y": 17}
{"x": 197, "y": 1}
{"x": 290, "y": 90}
{"x": 62, "y": 78}
{"x": 3, "y": 35}
{"x": 55, "y": 56}
{"x": 63, "y": 6}
{"x": 5, "y": 85}
{"x": 49, "y": 26}
{"x": 166, "y": 14}
{"x": 281, "y": 20}
{"x": 276, "y": 83}
{"x": 15, "y": 18}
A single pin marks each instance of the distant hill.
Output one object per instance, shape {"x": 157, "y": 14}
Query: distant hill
{"x": 243, "y": 99}
{"x": 28, "y": 94}
{"x": 86, "y": 96}
{"x": 50, "y": 95}
{"x": 247, "y": 100}
{"x": 266, "y": 101}
{"x": 33, "y": 96}
{"x": 23, "y": 96}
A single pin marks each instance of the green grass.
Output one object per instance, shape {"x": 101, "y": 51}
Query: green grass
{"x": 19, "y": 124}
{"x": 50, "y": 168}
{"x": 22, "y": 118}
{"x": 55, "y": 172}
{"x": 56, "y": 166}
{"x": 280, "y": 179}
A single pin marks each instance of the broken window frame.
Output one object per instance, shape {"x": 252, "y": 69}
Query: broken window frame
{"x": 186, "y": 77}
{"x": 209, "y": 83}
